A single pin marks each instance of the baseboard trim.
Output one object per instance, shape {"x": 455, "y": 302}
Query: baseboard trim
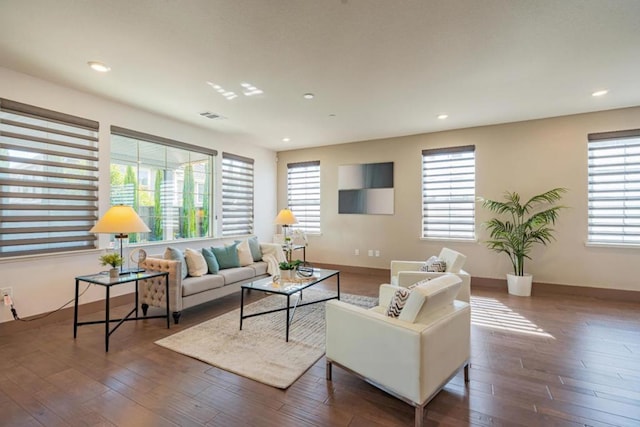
{"x": 542, "y": 289}
{"x": 65, "y": 314}
{"x": 355, "y": 269}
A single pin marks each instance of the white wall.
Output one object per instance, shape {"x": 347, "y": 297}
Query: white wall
{"x": 527, "y": 157}
{"x": 44, "y": 283}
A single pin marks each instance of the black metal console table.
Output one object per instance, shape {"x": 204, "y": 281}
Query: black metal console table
{"x": 108, "y": 282}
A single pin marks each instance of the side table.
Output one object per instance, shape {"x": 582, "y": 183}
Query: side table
{"x": 108, "y": 282}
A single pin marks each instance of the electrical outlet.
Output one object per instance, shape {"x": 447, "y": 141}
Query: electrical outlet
{"x": 377, "y": 252}
{"x": 6, "y": 292}
{"x": 370, "y": 252}
{"x": 356, "y": 252}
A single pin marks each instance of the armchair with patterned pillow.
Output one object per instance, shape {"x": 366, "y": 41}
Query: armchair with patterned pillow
{"x": 407, "y": 273}
{"x": 410, "y": 347}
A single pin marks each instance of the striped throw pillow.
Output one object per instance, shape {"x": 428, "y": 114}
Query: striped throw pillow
{"x": 397, "y": 302}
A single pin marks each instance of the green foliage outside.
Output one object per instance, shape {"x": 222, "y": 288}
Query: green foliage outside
{"x": 157, "y": 207}
{"x": 206, "y": 202}
{"x": 189, "y": 224}
{"x": 117, "y": 178}
{"x": 130, "y": 178}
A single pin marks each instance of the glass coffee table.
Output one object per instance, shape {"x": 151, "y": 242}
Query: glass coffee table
{"x": 288, "y": 288}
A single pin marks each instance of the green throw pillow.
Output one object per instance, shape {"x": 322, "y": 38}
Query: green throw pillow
{"x": 254, "y": 247}
{"x": 227, "y": 256}
{"x": 212, "y": 262}
{"x": 177, "y": 255}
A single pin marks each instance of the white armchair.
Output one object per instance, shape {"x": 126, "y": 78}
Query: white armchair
{"x": 410, "y": 357}
{"x": 406, "y": 273}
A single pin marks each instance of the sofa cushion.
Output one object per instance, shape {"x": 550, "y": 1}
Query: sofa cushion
{"x": 212, "y": 262}
{"x": 196, "y": 263}
{"x": 455, "y": 260}
{"x": 244, "y": 253}
{"x": 227, "y": 256}
{"x": 428, "y": 297}
{"x": 233, "y": 275}
{"x": 195, "y": 285}
{"x": 260, "y": 268}
{"x": 177, "y": 255}
{"x": 254, "y": 246}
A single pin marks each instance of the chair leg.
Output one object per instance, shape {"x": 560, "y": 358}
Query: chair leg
{"x": 419, "y": 416}
{"x": 466, "y": 373}
{"x": 328, "y": 370}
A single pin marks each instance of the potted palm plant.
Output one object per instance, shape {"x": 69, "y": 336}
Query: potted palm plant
{"x": 525, "y": 224}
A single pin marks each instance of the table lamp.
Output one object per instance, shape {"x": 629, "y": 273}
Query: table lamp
{"x": 120, "y": 220}
{"x": 285, "y": 218}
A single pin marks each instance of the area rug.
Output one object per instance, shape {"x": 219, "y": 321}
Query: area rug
{"x": 260, "y": 351}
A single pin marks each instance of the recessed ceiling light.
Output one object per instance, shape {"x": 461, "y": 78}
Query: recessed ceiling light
{"x": 286, "y": 139}
{"x": 308, "y": 96}
{"x": 600, "y": 92}
{"x": 442, "y": 116}
{"x": 99, "y": 66}
{"x": 332, "y": 115}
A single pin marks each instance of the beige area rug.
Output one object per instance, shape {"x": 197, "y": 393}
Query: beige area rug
{"x": 259, "y": 351}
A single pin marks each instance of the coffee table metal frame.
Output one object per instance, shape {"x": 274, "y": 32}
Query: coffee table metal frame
{"x": 266, "y": 285}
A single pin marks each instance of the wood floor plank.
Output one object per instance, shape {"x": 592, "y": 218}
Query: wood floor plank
{"x": 551, "y": 360}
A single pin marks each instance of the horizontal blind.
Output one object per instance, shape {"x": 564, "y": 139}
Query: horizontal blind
{"x": 237, "y": 195}
{"x": 614, "y": 187}
{"x": 303, "y": 194}
{"x": 448, "y": 193}
{"x": 48, "y": 180}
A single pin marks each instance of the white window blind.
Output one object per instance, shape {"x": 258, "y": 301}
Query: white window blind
{"x": 303, "y": 194}
{"x": 48, "y": 180}
{"x": 614, "y": 187}
{"x": 237, "y": 195}
{"x": 448, "y": 193}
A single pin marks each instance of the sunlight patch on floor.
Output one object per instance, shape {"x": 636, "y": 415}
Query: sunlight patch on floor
{"x": 491, "y": 313}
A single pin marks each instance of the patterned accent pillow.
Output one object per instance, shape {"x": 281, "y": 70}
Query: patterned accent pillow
{"x": 397, "y": 302}
{"x": 434, "y": 264}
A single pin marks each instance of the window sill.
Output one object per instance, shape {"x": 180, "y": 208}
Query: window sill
{"x": 612, "y": 245}
{"x": 447, "y": 239}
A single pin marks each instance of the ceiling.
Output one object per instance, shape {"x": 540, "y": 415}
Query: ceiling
{"x": 378, "y": 68}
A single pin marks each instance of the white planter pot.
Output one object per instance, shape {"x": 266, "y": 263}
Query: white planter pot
{"x": 519, "y": 285}
{"x": 114, "y": 273}
{"x": 286, "y": 274}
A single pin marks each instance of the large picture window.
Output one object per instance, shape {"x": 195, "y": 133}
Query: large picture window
{"x": 237, "y": 195}
{"x": 303, "y": 194}
{"x": 48, "y": 180}
{"x": 167, "y": 182}
{"x": 614, "y": 188}
{"x": 448, "y": 193}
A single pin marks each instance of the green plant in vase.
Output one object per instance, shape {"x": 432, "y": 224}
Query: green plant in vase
{"x": 114, "y": 260}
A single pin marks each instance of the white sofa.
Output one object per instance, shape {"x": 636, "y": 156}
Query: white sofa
{"x": 192, "y": 291}
{"x": 406, "y": 273}
{"x": 411, "y": 357}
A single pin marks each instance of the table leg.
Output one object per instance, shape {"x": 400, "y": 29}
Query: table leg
{"x": 137, "y": 283}
{"x": 75, "y": 312}
{"x": 241, "y": 306}
{"x": 287, "y": 334}
{"x": 166, "y": 285}
{"x": 338, "y": 278}
{"x": 106, "y": 321}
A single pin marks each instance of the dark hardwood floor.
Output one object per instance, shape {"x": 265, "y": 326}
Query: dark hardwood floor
{"x": 540, "y": 361}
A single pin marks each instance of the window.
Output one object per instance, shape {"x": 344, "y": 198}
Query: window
{"x": 167, "y": 182}
{"x": 237, "y": 195}
{"x": 448, "y": 193}
{"x": 48, "y": 180}
{"x": 303, "y": 194}
{"x": 614, "y": 187}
